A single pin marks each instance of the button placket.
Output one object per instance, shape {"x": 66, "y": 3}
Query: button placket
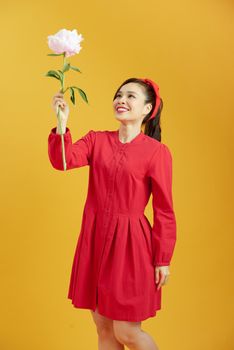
{"x": 116, "y": 166}
{"x": 118, "y": 160}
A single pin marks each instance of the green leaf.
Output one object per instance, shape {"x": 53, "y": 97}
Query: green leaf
{"x": 82, "y": 93}
{"x": 72, "y": 95}
{"x": 55, "y": 54}
{"x": 75, "y": 68}
{"x": 66, "y": 67}
{"x": 53, "y": 73}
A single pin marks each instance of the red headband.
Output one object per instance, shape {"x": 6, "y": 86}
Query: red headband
{"x": 156, "y": 89}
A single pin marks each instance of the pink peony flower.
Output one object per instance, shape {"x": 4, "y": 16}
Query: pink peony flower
{"x": 67, "y": 41}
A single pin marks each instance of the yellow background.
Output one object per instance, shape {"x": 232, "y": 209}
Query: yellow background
{"x": 187, "y": 48}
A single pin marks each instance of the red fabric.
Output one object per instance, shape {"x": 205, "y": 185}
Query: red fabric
{"x": 117, "y": 249}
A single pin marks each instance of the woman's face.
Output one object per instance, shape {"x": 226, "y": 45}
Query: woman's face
{"x": 131, "y": 98}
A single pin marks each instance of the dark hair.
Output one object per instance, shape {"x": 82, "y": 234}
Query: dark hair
{"x": 152, "y": 126}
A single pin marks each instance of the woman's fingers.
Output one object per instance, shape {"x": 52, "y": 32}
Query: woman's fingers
{"x": 59, "y": 95}
{"x": 161, "y": 277}
{"x": 59, "y": 101}
{"x": 157, "y": 276}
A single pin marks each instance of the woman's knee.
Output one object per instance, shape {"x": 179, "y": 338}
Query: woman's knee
{"x": 126, "y": 332}
{"x": 103, "y": 324}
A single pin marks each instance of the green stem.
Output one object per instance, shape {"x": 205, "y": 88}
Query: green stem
{"x": 64, "y": 61}
{"x": 65, "y": 90}
{"x": 63, "y": 80}
{"x": 62, "y": 139}
{"x": 60, "y": 124}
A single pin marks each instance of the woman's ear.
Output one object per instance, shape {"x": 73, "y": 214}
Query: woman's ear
{"x": 148, "y": 108}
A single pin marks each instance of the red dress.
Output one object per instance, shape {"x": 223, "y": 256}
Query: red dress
{"x": 117, "y": 249}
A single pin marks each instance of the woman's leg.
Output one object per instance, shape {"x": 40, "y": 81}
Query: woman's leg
{"x": 131, "y": 335}
{"x": 106, "y": 337}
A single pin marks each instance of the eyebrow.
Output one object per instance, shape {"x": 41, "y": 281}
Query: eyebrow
{"x": 129, "y": 91}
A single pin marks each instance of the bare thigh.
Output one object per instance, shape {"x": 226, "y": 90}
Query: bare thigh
{"x": 103, "y": 324}
{"x": 126, "y": 332}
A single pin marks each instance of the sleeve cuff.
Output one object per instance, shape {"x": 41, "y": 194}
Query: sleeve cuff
{"x": 53, "y": 131}
{"x": 162, "y": 264}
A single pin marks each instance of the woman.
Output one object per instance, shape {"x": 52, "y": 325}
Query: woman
{"x": 121, "y": 262}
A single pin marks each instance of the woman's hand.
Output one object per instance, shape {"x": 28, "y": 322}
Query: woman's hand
{"x": 58, "y": 100}
{"x": 161, "y": 275}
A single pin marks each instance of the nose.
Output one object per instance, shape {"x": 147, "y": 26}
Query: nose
{"x": 121, "y": 100}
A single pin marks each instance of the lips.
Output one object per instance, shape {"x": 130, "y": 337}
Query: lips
{"x": 121, "y": 109}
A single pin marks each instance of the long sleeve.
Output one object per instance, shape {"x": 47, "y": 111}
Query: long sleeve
{"x": 164, "y": 220}
{"x": 77, "y": 154}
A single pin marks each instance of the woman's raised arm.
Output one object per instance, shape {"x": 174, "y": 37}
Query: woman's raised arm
{"x": 77, "y": 154}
